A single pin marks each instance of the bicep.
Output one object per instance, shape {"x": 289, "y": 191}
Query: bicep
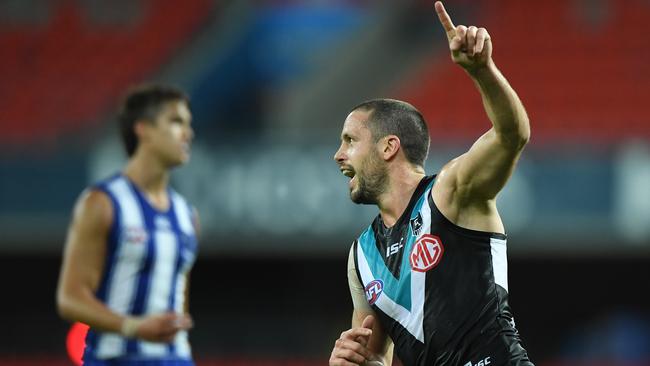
{"x": 483, "y": 171}
{"x": 85, "y": 247}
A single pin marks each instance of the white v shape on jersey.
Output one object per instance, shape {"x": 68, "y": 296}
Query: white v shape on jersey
{"x": 439, "y": 290}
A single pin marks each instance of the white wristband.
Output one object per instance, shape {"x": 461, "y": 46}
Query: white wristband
{"x": 130, "y": 327}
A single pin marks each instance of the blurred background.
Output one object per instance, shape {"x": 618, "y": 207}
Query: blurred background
{"x": 271, "y": 83}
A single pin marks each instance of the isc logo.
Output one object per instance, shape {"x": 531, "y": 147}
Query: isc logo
{"x": 426, "y": 253}
{"x": 394, "y": 248}
{"x": 373, "y": 290}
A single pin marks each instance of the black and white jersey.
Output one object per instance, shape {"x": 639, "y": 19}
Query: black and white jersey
{"x": 440, "y": 291}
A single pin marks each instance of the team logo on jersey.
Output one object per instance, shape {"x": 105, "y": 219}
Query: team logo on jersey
{"x": 135, "y": 235}
{"x": 416, "y": 225}
{"x": 162, "y": 223}
{"x": 426, "y": 253}
{"x": 373, "y": 290}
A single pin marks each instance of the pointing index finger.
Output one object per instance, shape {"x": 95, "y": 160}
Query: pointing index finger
{"x": 445, "y": 20}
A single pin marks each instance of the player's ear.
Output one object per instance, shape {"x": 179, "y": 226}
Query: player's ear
{"x": 140, "y": 128}
{"x": 390, "y": 147}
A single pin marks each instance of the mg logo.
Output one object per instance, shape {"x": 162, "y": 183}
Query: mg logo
{"x": 373, "y": 290}
{"x": 426, "y": 253}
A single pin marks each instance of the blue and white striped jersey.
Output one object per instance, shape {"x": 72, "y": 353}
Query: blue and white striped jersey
{"x": 149, "y": 254}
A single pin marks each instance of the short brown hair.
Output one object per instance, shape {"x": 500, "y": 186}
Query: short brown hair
{"x": 144, "y": 102}
{"x": 395, "y": 117}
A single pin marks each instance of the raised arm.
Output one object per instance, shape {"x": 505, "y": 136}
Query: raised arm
{"x": 477, "y": 176}
{"x": 81, "y": 272}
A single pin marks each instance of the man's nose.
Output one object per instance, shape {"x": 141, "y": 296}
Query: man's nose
{"x": 338, "y": 155}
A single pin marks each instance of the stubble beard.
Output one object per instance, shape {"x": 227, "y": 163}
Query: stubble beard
{"x": 372, "y": 183}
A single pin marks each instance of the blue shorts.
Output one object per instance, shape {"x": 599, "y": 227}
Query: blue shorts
{"x": 127, "y": 362}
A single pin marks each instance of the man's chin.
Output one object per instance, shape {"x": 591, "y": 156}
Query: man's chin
{"x": 361, "y": 199}
{"x": 178, "y": 162}
{"x": 354, "y": 196}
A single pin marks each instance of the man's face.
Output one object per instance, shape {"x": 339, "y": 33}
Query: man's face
{"x": 170, "y": 136}
{"x": 358, "y": 159}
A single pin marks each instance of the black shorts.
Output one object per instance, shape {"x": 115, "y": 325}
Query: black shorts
{"x": 499, "y": 346}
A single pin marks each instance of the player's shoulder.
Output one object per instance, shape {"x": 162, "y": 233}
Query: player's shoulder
{"x": 370, "y": 229}
{"x": 93, "y": 209}
{"x": 368, "y": 235}
{"x": 179, "y": 197}
{"x": 446, "y": 186}
{"x": 448, "y": 174}
{"x": 95, "y": 201}
{"x": 182, "y": 204}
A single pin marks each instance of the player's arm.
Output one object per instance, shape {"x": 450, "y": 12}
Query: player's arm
{"x": 478, "y": 175}
{"x": 83, "y": 262}
{"x": 366, "y": 343}
{"x": 196, "y": 222}
{"x": 379, "y": 344}
{"x": 186, "y": 303}
{"x": 81, "y": 271}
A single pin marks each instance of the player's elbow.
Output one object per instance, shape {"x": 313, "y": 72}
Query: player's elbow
{"x": 524, "y": 137}
{"x": 62, "y": 307}
{"x": 523, "y": 132}
{"x": 65, "y": 305}
{"x": 515, "y": 139}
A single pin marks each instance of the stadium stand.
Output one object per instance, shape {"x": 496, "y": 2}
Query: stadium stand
{"x": 572, "y": 93}
{"x": 62, "y": 75}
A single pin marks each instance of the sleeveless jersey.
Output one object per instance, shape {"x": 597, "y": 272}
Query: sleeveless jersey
{"x": 149, "y": 253}
{"x": 440, "y": 291}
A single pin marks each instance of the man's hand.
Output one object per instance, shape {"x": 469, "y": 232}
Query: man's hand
{"x": 351, "y": 348}
{"x": 162, "y": 327}
{"x": 470, "y": 47}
